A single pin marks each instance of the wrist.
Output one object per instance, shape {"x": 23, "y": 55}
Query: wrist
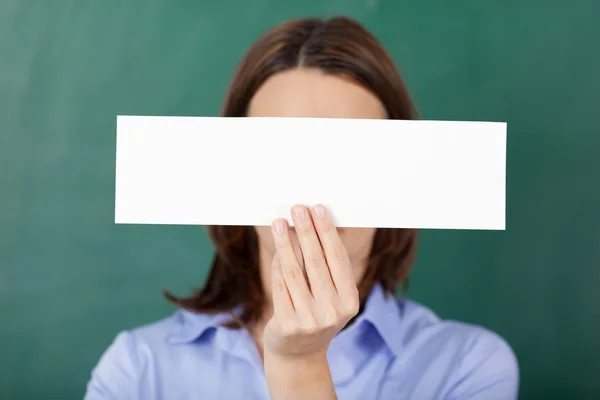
{"x": 293, "y": 361}
{"x": 298, "y": 371}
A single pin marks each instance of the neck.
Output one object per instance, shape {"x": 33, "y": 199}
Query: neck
{"x": 257, "y": 329}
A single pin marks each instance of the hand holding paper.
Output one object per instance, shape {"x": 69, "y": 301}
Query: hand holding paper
{"x": 308, "y": 312}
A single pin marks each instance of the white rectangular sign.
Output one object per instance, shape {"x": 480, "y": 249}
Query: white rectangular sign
{"x": 368, "y": 173}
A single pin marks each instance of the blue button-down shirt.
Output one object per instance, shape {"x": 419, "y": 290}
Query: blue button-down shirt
{"x": 394, "y": 350}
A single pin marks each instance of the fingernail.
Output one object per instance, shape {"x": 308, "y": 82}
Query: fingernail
{"x": 320, "y": 211}
{"x": 299, "y": 212}
{"x": 279, "y": 226}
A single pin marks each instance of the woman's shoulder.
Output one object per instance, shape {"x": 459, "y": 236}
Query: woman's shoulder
{"x": 407, "y": 324}
{"x": 435, "y": 355}
{"x": 420, "y": 321}
{"x": 475, "y": 353}
{"x": 169, "y": 328}
{"x": 131, "y": 351}
{"x": 181, "y": 326}
{"x": 421, "y": 325}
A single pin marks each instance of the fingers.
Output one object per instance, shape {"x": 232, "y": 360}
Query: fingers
{"x": 334, "y": 298}
{"x": 336, "y": 255}
{"x": 292, "y": 274}
{"x": 315, "y": 263}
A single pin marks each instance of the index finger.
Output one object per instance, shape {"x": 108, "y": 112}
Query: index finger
{"x": 291, "y": 270}
{"x": 282, "y": 302}
{"x": 335, "y": 252}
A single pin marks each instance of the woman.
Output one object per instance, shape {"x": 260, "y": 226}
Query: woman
{"x": 309, "y": 312}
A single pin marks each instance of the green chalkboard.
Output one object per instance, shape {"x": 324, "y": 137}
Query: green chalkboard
{"x": 70, "y": 278}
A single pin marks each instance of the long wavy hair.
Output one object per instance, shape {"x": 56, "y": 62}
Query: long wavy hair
{"x": 338, "y": 46}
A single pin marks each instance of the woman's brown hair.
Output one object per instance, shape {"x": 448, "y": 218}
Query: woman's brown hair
{"x": 338, "y": 46}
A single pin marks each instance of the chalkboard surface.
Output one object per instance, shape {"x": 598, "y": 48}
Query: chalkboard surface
{"x": 70, "y": 278}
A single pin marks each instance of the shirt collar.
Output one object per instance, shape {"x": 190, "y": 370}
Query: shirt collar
{"x": 382, "y": 311}
{"x": 189, "y": 326}
{"x": 379, "y": 325}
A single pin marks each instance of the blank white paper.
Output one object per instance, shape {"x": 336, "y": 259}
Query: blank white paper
{"x": 368, "y": 173}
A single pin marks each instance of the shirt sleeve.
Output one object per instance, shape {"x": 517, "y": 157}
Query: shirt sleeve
{"x": 115, "y": 377}
{"x": 489, "y": 370}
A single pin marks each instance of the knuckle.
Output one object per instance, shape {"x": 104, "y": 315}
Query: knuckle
{"x": 352, "y": 307}
{"x": 280, "y": 286}
{"x": 315, "y": 260}
{"x": 282, "y": 244}
{"x": 291, "y": 270}
{"x": 276, "y": 263}
{"x": 288, "y": 328}
{"x": 351, "y": 304}
{"x": 310, "y": 328}
{"x": 331, "y": 317}
{"x": 338, "y": 254}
